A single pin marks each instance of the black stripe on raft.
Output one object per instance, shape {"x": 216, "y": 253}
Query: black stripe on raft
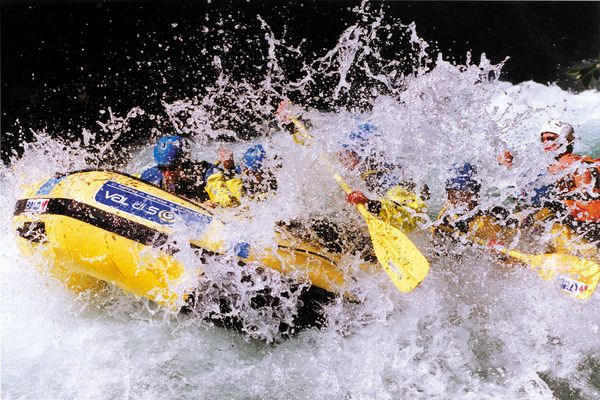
{"x": 307, "y": 251}
{"x": 104, "y": 220}
{"x": 121, "y": 226}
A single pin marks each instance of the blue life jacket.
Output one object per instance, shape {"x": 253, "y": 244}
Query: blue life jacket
{"x": 152, "y": 175}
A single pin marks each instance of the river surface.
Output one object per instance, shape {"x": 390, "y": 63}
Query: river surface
{"x": 474, "y": 329}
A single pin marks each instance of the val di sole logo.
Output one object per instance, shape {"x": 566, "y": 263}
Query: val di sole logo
{"x": 571, "y": 286}
{"x": 147, "y": 206}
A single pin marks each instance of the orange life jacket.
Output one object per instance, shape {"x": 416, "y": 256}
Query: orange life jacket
{"x": 580, "y": 185}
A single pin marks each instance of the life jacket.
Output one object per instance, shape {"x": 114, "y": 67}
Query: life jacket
{"x": 493, "y": 226}
{"x": 224, "y": 192}
{"x": 584, "y": 211}
{"x": 227, "y": 190}
{"x": 400, "y": 205}
{"x": 566, "y": 240}
{"x": 579, "y": 188}
{"x": 488, "y": 229}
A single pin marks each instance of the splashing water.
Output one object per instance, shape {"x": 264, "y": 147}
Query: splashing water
{"x": 474, "y": 329}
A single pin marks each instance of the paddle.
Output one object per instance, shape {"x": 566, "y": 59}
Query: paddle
{"x": 399, "y": 257}
{"x": 576, "y": 276}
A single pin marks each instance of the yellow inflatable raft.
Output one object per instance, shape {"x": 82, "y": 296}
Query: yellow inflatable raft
{"x": 92, "y": 226}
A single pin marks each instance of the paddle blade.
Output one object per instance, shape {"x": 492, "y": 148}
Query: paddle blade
{"x": 576, "y": 276}
{"x": 400, "y": 258}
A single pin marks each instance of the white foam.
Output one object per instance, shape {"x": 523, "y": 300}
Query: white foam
{"x": 474, "y": 329}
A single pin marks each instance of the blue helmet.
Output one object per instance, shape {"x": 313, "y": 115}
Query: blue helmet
{"x": 463, "y": 178}
{"x": 253, "y": 158}
{"x": 358, "y": 138}
{"x": 170, "y": 150}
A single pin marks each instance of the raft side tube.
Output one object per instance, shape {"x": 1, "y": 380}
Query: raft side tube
{"x": 115, "y": 228}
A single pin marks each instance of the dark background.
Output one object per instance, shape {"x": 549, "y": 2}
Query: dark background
{"x": 63, "y": 62}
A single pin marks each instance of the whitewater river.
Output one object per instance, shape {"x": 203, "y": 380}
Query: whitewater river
{"x": 474, "y": 329}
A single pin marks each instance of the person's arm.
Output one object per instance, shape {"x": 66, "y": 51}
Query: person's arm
{"x": 284, "y": 115}
{"x": 506, "y": 158}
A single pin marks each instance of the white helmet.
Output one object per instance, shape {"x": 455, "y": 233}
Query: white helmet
{"x": 565, "y": 136}
{"x": 559, "y": 127}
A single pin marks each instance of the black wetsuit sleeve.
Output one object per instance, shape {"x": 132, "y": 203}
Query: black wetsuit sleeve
{"x": 192, "y": 183}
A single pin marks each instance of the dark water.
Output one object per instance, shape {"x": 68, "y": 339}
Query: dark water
{"x": 64, "y": 62}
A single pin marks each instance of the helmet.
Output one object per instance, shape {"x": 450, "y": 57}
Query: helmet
{"x": 565, "y": 135}
{"x": 462, "y": 178}
{"x": 253, "y": 158}
{"x": 170, "y": 150}
{"x": 358, "y": 138}
{"x": 559, "y": 127}
{"x": 363, "y": 132}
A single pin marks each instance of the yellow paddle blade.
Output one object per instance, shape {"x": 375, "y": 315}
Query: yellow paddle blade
{"x": 401, "y": 260}
{"x": 576, "y": 276}
{"x": 399, "y": 257}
